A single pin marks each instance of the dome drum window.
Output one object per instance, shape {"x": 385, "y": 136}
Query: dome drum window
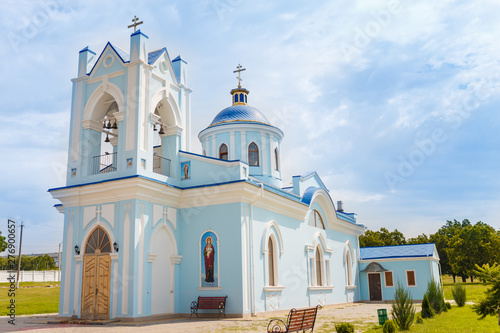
{"x": 253, "y": 154}
{"x": 223, "y": 152}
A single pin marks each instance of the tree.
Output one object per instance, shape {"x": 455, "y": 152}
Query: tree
{"x": 491, "y": 304}
{"x": 442, "y": 239}
{"x": 383, "y": 237}
{"x": 3, "y": 243}
{"x": 403, "y": 310}
{"x": 474, "y": 244}
{"x": 420, "y": 239}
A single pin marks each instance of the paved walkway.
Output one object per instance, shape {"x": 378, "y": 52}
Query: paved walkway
{"x": 363, "y": 316}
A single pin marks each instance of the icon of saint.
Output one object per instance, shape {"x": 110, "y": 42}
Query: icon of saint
{"x": 209, "y": 254}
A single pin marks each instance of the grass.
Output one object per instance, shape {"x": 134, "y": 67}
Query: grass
{"x": 475, "y": 290}
{"x": 31, "y": 298}
{"x": 455, "y": 320}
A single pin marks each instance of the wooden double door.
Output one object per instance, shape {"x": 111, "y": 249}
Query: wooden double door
{"x": 96, "y": 277}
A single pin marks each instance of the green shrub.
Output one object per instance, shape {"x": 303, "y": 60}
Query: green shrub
{"x": 344, "y": 328}
{"x": 459, "y": 294}
{"x": 419, "y": 319}
{"x": 427, "y": 310}
{"x": 403, "y": 310}
{"x": 435, "y": 296}
{"x": 447, "y": 306}
{"x": 389, "y": 327}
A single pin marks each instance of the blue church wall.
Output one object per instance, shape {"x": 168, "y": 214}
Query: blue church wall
{"x": 120, "y": 82}
{"x": 294, "y": 272}
{"x": 207, "y": 172}
{"x": 237, "y": 145}
{"x": 227, "y": 226}
{"x": 221, "y": 138}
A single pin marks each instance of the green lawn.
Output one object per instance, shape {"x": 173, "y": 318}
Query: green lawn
{"x": 455, "y": 320}
{"x": 31, "y": 298}
{"x": 475, "y": 290}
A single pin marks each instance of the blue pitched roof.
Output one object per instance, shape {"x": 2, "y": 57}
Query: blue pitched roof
{"x": 122, "y": 53}
{"x": 154, "y": 55}
{"x": 397, "y": 251}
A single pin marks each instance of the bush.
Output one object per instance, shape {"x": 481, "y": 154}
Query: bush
{"x": 427, "y": 310}
{"x": 389, "y": 327}
{"x": 419, "y": 319}
{"x": 435, "y": 297}
{"x": 447, "y": 306}
{"x": 403, "y": 310}
{"x": 344, "y": 328}
{"x": 459, "y": 294}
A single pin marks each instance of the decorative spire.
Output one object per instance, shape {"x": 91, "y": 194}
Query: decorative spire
{"x": 135, "y": 19}
{"x": 239, "y": 70}
{"x": 239, "y": 94}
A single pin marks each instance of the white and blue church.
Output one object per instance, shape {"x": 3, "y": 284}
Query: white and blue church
{"x": 149, "y": 225}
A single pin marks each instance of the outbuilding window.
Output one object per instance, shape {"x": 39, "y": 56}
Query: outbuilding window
{"x": 389, "y": 281}
{"x": 410, "y": 279}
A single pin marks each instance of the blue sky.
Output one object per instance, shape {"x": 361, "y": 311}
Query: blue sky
{"x": 394, "y": 104}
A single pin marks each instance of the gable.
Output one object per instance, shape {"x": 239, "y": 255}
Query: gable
{"x": 302, "y": 182}
{"x": 111, "y": 59}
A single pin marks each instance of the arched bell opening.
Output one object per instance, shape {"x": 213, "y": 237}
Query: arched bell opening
{"x": 165, "y": 141}
{"x": 101, "y": 136}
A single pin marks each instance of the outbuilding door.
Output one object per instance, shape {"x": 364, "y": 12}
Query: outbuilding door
{"x": 96, "y": 276}
{"x": 374, "y": 286}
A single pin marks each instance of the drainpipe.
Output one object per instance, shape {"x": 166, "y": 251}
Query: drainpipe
{"x": 251, "y": 247}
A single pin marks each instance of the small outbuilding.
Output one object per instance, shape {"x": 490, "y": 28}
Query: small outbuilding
{"x": 382, "y": 267}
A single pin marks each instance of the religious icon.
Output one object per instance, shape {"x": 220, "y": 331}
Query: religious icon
{"x": 185, "y": 170}
{"x": 209, "y": 274}
{"x": 209, "y": 254}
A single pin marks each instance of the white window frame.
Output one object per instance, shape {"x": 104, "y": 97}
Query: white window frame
{"x": 385, "y": 279}
{"x": 414, "y": 278}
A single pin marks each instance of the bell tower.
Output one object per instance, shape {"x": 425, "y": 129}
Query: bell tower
{"x": 130, "y": 113}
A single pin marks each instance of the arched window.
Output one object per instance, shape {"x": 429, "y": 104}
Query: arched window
{"x": 98, "y": 242}
{"x": 241, "y": 97}
{"x": 318, "y": 220}
{"x": 236, "y": 98}
{"x": 245, "y": 98}
{"x": 253, "y": 154}
{"x": 223, "y": 152}
{"x": 276, "y": 159}
{"x": 319, "y": 267}
{"x": 349, "y": 268}
{"x": 270, "y": 257}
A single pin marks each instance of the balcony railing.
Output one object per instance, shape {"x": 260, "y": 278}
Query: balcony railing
{"x": 104, "y": 163}
{"x": 161, "y": 165}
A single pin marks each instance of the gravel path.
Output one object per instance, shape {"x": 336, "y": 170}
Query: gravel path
{"x": 362, "y": 315}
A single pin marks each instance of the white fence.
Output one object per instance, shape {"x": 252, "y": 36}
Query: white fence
{"x": 31, "y": 276}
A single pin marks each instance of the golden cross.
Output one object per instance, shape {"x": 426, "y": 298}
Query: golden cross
{"x": 135, "y": 19}
{"x": 239, "y": 70}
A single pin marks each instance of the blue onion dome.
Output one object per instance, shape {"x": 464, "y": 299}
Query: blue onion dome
{"x": 237, "y": 113}
{"x": 240, "y": 111}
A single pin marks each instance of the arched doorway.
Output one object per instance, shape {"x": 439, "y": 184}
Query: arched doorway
{"x": 96, "y": 276}
{"x": 162, "y": 286}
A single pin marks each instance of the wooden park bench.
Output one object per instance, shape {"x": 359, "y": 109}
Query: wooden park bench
{"x": 209, "y": 303}
{"x": 297, "y": 320}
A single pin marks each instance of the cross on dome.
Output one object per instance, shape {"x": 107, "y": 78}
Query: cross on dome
{"x": 135, "y": 19}
{"x": 239, "y": 70}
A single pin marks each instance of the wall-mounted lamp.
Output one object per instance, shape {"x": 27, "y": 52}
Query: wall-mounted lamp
{"x": 77, "y": 249}
{"x": 115, "y": 246}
